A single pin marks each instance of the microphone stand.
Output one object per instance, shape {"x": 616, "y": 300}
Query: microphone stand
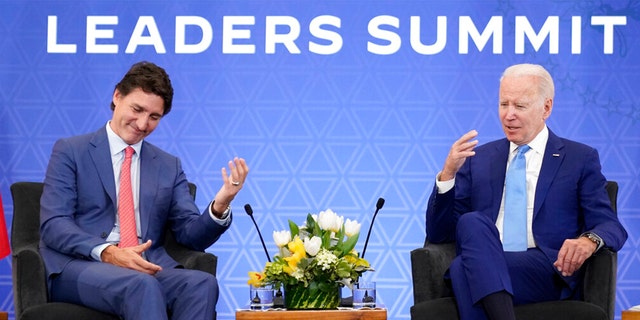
{"x": 348, "y": 301}
{"x": 379, "y": 205}
{"x": 249, "y": 211}
{"x": 278, "y": 300}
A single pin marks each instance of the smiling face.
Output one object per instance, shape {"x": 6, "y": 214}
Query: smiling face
{"x": 523, "y": 110}
{"x": 136, "y": 115}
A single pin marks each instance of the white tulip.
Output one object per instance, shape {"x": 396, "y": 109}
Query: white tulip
{"x": 282, "y": 238}
{"x": 351, "y": 227}
{"x": 329, "y": 220}
{"x": 312, "y": 245}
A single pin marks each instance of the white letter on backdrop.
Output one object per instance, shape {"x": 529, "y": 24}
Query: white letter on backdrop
{"x": 229, "y": 34}
{"x": 288, "y": 39}
{"x": 52, "y": 38}
{"x": 333, "y": 37}
{"x": 441, "y": 36}
{"x": 154, "y": 39}
{"x": 608, "y": 23}
{"x": 468, "y": 29}
{"x": 393, "y": 38}
{"x": 551, "y": 28}
{"x": 181, "y": 31}
{"x": 93, "y": 33}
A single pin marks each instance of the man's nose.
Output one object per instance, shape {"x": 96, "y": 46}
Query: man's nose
{"x": 142, "y": 123}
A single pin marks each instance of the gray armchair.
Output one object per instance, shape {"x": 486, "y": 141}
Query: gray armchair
{"x": 29, "y": 283}
{"x": 433, "y": 300}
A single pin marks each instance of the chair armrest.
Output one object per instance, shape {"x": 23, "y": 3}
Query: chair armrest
{"x": 31, "y": 290}
{"x": 428, "y": 265}
{"x": 600, "y": 280}
{"x": 196, "y": 260}
{"x": 190, "y": 259}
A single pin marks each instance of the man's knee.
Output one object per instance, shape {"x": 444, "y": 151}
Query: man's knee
{"x": 473, "y": 223}
{"x": 142, "y": 283}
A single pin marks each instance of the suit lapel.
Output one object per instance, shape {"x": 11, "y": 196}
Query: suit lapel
{"x": 100, "y": 147}
{"x": 149, "y": 174}
{"x": 551, "y": 160}
{"x": 498, "y": 169}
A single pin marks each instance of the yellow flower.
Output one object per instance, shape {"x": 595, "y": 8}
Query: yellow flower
{"x": 255, "y": 278}
{"x": 297, "y": 253}
{"x": 287, "y": 270}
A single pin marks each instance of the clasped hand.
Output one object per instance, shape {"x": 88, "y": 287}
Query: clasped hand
{"x": 130, "y": 258}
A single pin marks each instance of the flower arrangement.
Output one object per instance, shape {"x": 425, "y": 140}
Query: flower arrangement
{"x": 317, "y": 256}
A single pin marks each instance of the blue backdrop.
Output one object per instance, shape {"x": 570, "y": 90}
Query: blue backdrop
{"x": 333, "y": 104}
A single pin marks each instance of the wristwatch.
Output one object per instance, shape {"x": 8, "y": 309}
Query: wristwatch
{"x": 594, "y": 238}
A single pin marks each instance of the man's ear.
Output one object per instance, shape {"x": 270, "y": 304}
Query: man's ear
{"x": 548, "y": 106}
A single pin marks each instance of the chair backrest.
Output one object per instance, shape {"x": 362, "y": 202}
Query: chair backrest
{"x": 25, "y": 228}
{"x": 594, "y": 279}
{"x": 612, "y": 190}
{"x": 29, "y": 280}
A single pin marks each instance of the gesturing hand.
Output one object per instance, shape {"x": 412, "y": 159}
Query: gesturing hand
{"x": 232, "y": 182}
{"x": 460, "y": 151}
{"x": 130, "y": 258}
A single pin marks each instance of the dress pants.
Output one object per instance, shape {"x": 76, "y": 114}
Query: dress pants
{"x": 186, "y": 294}
{"x": 481, "y": 268}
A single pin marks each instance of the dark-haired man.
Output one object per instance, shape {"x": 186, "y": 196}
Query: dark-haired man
{"x": 108, "y": 198}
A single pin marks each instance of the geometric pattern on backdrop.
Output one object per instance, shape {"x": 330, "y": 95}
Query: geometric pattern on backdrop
{"x": 322, "y": 131}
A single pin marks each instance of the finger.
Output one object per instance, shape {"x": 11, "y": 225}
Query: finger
{"x": 225, "y": 177}
{"x": 142, "y": 247}
{"x": 568, "y": 263}
{"x": 147, "y": 267}
{"x": 559, "y": 264}
{"x": 467, "y": 136}
{"x": 233, "y": 169}
{"x": 150, "y": 268}
{"x": 241, "y": 167}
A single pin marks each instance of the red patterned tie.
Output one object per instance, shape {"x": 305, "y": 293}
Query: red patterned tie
{"x": 126, "y": 214}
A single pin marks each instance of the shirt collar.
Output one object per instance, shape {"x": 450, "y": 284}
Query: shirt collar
{"x": 116, "y": 144}
{"x": 538, "y": 144}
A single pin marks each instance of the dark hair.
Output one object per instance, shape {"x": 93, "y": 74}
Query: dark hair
{"x": 151, "y": 79}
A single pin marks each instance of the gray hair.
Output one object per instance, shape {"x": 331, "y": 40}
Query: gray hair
{"x": 546, "y": 89}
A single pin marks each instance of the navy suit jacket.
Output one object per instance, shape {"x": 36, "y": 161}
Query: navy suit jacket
{"x": 79, "y": 203}
{"x": 570, "y": 196}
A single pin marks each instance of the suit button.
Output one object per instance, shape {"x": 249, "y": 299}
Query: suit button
{"x": 103, "y": 235}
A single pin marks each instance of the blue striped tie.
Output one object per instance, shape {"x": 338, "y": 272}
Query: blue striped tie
{"x": 514, "y": 231}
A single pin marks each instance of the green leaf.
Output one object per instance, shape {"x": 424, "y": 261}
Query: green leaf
{"x": 311, "y": 224}
{"x": 350, "y": 244}
{"x": 294, "y": 229}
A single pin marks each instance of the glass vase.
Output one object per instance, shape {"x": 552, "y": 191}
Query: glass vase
{"x": 315, "y": 296}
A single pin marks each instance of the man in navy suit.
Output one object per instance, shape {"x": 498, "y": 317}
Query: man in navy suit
{"x": 568, "y": 213}
{"x": 79, "y": 222}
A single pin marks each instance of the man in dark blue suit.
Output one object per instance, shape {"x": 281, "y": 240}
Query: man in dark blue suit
{"x": 80, "y": 224}
{"x": 568, "y": 213}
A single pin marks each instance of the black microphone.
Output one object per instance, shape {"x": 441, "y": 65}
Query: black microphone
{"x": 379, "y": 205}
{"x": 249, "y": 211}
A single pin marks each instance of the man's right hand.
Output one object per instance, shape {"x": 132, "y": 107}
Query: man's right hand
{"x": 130, "y": 258}
{"x": 460, "y": 151}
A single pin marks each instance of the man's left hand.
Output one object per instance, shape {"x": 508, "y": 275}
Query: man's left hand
{"x": 232, "y": 182}
{"x": 572, "y": 254}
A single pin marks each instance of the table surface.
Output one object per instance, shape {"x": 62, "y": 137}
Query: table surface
{"x": 340, "y": 314}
